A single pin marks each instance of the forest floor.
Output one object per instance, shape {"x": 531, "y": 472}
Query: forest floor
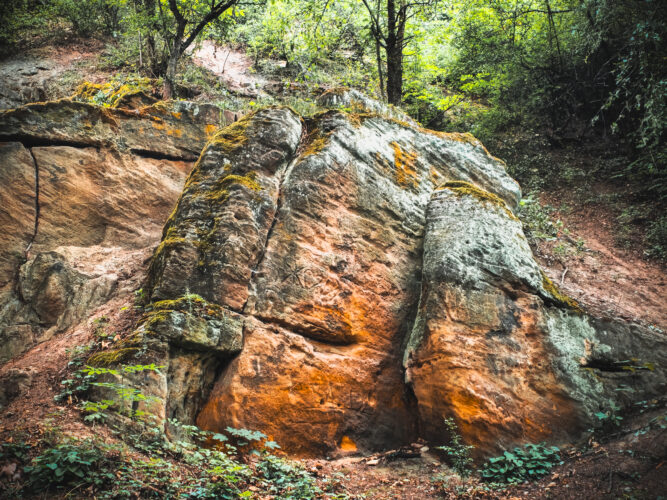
{"x": 587, "y": 261}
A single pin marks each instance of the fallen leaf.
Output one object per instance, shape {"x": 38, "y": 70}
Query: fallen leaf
{"x": 8, "y": 470}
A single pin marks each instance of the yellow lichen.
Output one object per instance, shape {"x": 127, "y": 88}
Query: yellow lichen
{"x": 111, "y": 93}
{"x": 171, "y": 242}
{"x": 161, "y": 106}
{"x": 404, "y": 162}
{"x": 461, "y": 188}
{"x": 220, "y": 192}
{"x": 232, "y": 137}
{"x": 152, "y": 319}
{"x": 183, "y": 303}
{"x": 210, "y": 129}
{"x": 435, "y": 175}
{"x": 192, "y": 304}
{"x": 557, "y": 295}
{"x": 357, "y": 118}
{"x": 337, "y": 91}
{"x": 316, "y": 141}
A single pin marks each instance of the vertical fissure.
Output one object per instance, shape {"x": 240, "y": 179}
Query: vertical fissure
{"x": 284, "y": 174}
{"x": 37, "y": 208}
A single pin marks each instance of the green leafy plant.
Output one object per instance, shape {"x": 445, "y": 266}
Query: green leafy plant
{"x": 286, "y": 480}
{"x": 122, "y": 392}
{"x": 71, "y": 463}
{"x": 610, "y": 416}
{"x": 522, "y": 463}
{"x": 457, "y": 451}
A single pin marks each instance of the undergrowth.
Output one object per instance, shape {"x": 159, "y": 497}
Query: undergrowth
{"x": 91, "y": 467}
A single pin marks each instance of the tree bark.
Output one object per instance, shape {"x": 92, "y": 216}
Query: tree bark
{"x": 170, "y": 76}
{"x": 394, "y": 48}
{"x": 379, "y": 56}
{"x": 380, "y": 72}
{"x": 394, "y": 74}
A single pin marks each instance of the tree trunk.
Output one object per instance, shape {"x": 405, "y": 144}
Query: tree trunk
{"x": 379, "y": 63}
{"x": 394, "y": 48}
{"x": 394, "y": 74}
{"x": 170, "y": 75}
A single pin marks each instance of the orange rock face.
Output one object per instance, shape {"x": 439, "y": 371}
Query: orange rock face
{"x": 377, "y": 296}
{"x": 492, "y": 345}
{"x": 17, "y": 206}
{"x": 496, "y": 381}
{"x": 310, "y": 397}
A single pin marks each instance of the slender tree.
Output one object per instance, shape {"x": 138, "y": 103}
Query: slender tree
{"x": 388, "y": 27}
{"x": 181, "y": 22}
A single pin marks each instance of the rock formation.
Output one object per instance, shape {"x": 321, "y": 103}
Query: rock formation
{"x": 85, "y": 192}
{"x": 341, "y": 282}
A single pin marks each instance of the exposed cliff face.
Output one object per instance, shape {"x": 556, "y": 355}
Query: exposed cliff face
{"x": 85, "y": 192}
{"x": 342, "y": 282}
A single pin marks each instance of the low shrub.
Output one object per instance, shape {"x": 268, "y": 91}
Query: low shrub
{"x": 528, "y": 462}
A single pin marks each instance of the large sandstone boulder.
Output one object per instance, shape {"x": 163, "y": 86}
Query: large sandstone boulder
{"x": 343, "y": 282}
{"x": 383, "y": 283}
{"x": 494, "y": 343}
{"x": 85, "y": 193}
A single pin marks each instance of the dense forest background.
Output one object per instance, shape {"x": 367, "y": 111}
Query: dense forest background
{"x": 569, "y": 92}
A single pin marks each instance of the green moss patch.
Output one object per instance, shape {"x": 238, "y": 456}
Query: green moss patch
{"x": 112, "y": 93}
{"x": 112, "y": 357}
{"x": 315, "y": 142}
{"x": 220, "y": 192}
{"x": 232, "y": 137}
{"x": 557, "y": 295}
{"x": 171, "y": 242}
{"x": 191, "y": 304}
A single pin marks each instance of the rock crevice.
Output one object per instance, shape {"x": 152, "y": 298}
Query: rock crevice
{"x": 36, "y": 226}
{"x": 77, "y": 206}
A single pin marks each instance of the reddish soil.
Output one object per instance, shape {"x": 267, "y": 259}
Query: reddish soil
{"x": 48, "y": 361}
{"x": 72, "y": 52}
{"x": 607, "y": 280}
{"x": 630, "y": 465}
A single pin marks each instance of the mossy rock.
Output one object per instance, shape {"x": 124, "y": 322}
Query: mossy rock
{"x": 558, "y": 295}
{"x": 232, "y": 137}
{"x": 116, "y": 94}
{"x": 462, "y": 188}
{"x": 192, "y": 304}
{"x": 193, "y": 323}
{"x": 112, "y": 357}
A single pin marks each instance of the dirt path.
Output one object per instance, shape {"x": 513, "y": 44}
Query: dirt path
{"x": 408, "y": 479}
{"x": 48, "y": 73}
{"x": 232, "y": 66}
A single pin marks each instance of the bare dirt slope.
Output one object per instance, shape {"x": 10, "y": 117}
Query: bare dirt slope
{"x": 606, "y": 279}
{"x": 232, "y": 66}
